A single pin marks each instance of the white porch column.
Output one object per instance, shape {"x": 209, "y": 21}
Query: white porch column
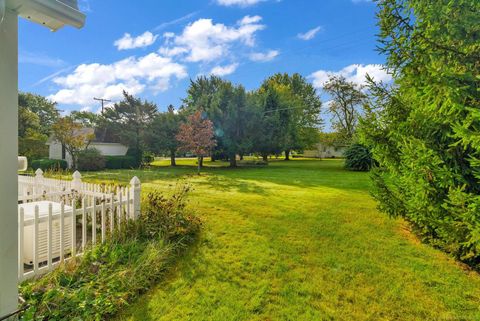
{"x": 8, "y": 163}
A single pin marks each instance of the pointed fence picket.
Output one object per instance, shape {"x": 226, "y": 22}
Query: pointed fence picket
{"x": 57, "y": 225}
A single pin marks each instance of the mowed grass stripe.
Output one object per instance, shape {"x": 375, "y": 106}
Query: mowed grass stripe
{"x": 299, "y": 240}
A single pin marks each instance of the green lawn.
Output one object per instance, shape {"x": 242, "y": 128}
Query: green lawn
{"x": 299, "y": 240}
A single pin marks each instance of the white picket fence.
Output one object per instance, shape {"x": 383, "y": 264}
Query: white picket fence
{"x": 60, "y": 219}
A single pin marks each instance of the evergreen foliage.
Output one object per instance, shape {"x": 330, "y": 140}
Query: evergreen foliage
{"x": 358, "y": 158}
{"x": 424, "y": 130}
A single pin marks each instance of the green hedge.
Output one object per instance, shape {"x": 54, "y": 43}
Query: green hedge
{"x": 48, "y": 164}
{"x": 90, "y": 160}
{"x": 120, "y": 162}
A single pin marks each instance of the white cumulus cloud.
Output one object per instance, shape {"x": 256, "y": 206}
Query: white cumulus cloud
{"x": 206, "y": 41}
{"x": 239, "y": 3}
{"x": 310, "y": 34}
{"x": 264, "y": 56}
{"x": 354, "y": 73}
{"x": 128, "y": 42}
{"x": 249, "y": 20}
{"x": 134, "y": 75}
{"x": 224, "y": 70}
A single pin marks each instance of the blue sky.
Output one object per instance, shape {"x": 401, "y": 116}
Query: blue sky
{"x": 153, "y": 48}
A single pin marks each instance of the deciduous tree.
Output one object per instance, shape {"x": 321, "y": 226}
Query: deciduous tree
{"x": 346, "y": 100}
{"x": 196, "y": 136}
{"x": 36, "y": 114}
{"x": 298, "y": 109}
{"x": 73, "y": 137}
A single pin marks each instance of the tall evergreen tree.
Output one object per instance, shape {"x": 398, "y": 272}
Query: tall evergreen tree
{"x": 162, "y": 132}
{"x": 424, "y": 130}
{"x": 226, "y": 106}
{"x": 128, "y": 120}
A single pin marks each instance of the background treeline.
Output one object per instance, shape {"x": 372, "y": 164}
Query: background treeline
{"x": 281, "y": 116}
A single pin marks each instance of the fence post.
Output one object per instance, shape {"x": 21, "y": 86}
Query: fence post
{"x": 77, "y": 181}
{"x": 136, "y": 189}
{"x": 37, "y": 189}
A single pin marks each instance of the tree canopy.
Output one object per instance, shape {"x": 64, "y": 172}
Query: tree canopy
{"x": 196, "y": 136}
{"x": 346, "y": 100}
{"x": 292, "y": 105}
{"x": 161, "y": 136}
{"x": 36, "y": 115}
{"x": 128, "y": 120}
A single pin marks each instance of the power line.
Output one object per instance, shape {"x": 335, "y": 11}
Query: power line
{"x": 103, "y": 102}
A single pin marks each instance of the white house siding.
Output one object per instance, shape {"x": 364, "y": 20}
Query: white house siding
{"x": 107, "y": 149}
{"x": 325, "y": 151}
{"x": 55, "y": 151}
{"x": 110, "y": 149}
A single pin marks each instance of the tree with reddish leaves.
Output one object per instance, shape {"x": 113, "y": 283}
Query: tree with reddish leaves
{"x": 197, "y": 136}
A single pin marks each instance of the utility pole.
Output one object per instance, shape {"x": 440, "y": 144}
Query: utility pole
{"x": 103, "y": 102}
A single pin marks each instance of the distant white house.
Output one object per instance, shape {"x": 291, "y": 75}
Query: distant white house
{"x": 101, "y": 143}
{"x": 323, "y": 150}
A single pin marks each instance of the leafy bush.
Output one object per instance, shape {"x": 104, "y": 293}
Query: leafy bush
{"x": 112, "y": 274}
{"x": 137, "y": 155}
{"x": 358, "y": 158}
{"x": 48, "y": 164}
{"x": 90, "y": 160}
{"x": 120, "y": 162}
{"x": 166, "y": 218}
{"x": 147, "y": 158}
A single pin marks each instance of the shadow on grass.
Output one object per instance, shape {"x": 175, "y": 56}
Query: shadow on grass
{"x": 187, "y": 266}
{"x": 303, "y": 173}
{"x": 227, "y": 184}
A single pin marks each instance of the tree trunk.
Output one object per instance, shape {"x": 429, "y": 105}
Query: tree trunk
{"x": 213, "y": 158}
{"x": 287, "y": 154}
{"x": 265, "y": 158}
{"x": 172, "y": 158}
{"x": 233, "y": 160}
{"x": 74, "y": 159}
{"x": 241, "y": 156}
{"x": 199, "y": 161}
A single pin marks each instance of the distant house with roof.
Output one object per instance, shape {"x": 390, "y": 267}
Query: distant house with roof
{"x": 103, "y": 142}
{"x": 330, "y": 145}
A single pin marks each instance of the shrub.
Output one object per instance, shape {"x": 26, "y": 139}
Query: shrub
{"x": 48, "y": 164}
{"x": 114, "y": 162}
{"x": 111, "y": 275}
{"x": 147, "y": 159}
{"x": 90, "y": 160}
{"x": 358, "y": 158}
{"x": 166, "y": 218}
{"x": 137, "y": 155}
{"x": 119, "y": 162}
